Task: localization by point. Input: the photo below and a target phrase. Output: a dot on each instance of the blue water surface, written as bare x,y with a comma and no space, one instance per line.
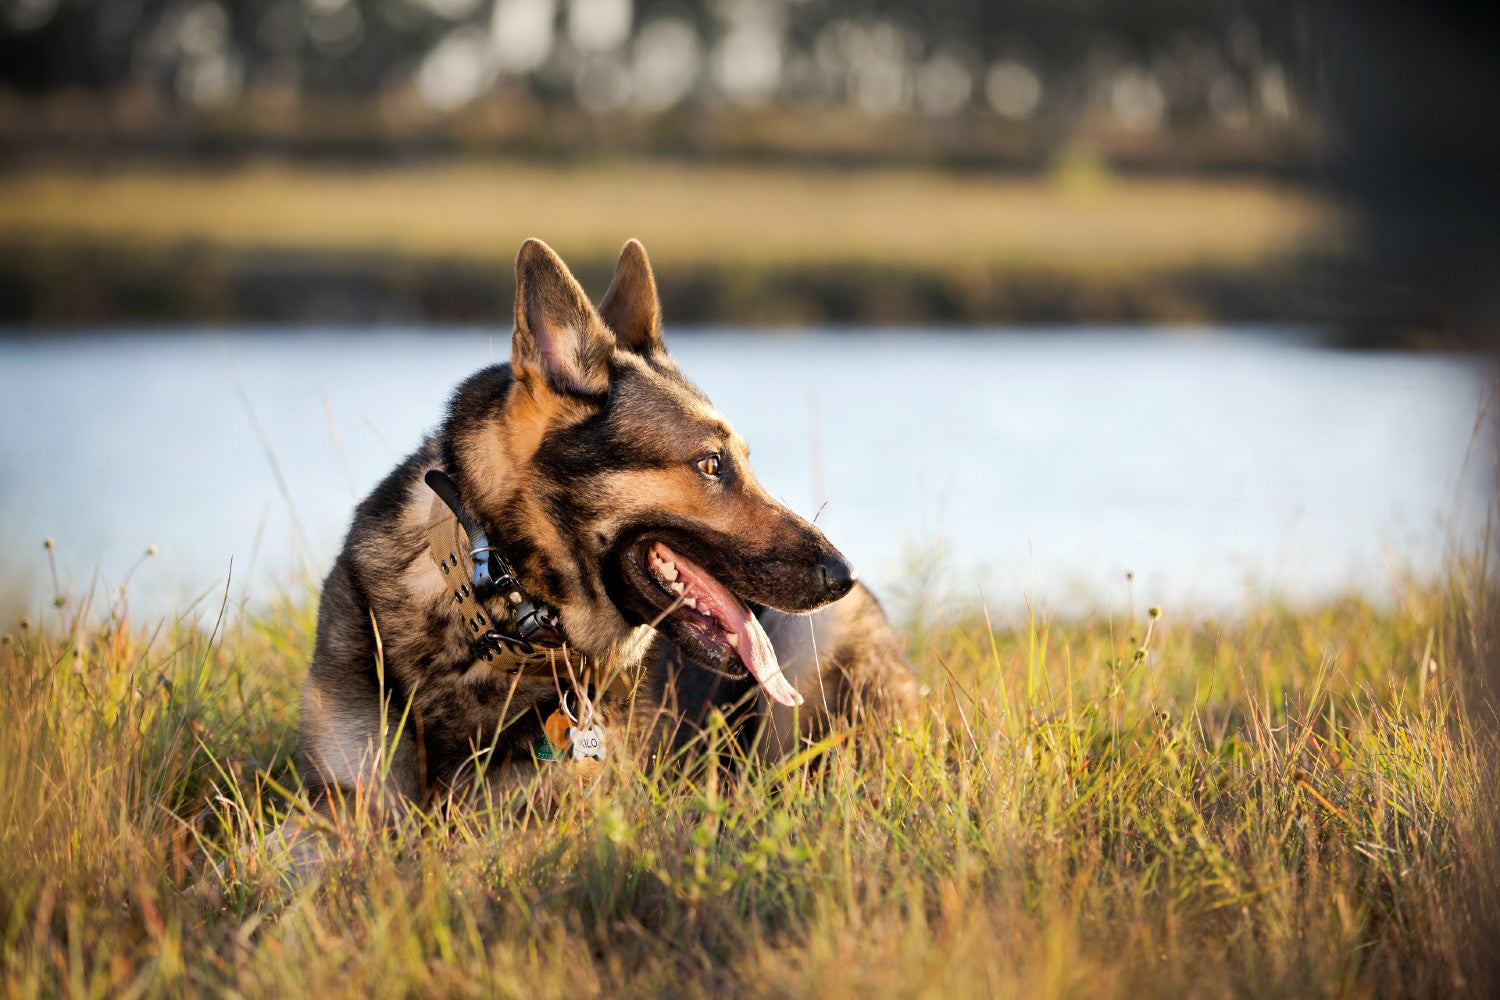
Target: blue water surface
1214,465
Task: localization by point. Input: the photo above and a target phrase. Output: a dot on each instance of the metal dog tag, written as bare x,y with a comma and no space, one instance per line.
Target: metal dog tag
586,742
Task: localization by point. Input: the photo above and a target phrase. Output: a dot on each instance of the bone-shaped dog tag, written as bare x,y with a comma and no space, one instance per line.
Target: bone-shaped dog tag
587,742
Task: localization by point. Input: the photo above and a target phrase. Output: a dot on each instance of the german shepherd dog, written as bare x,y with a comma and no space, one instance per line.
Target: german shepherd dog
579,552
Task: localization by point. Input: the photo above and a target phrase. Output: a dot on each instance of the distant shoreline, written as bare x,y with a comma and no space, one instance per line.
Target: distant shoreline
773,246
97,284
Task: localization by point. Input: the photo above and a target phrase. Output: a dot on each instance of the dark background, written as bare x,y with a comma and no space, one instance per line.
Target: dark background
1385,111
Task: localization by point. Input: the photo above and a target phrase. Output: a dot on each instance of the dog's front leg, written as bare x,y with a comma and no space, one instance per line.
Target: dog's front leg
848,665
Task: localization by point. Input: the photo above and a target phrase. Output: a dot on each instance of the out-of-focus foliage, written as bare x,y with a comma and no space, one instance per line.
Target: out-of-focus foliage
1143,66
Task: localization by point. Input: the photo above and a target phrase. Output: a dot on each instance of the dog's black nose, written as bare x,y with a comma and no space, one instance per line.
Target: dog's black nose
838,575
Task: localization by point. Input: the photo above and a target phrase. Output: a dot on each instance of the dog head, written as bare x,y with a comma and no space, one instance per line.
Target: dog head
623,497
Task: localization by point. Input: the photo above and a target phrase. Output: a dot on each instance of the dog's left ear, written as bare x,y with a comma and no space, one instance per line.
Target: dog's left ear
630,307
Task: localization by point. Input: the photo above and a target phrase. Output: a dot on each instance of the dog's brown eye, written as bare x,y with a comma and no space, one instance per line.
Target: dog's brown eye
709,465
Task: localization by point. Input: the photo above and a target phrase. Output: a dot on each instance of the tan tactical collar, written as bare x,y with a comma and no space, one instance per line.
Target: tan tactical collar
475,571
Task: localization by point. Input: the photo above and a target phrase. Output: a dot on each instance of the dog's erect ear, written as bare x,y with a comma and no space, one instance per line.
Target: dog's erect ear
560,342
630,307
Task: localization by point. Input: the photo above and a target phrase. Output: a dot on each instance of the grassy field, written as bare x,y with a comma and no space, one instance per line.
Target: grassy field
1293,803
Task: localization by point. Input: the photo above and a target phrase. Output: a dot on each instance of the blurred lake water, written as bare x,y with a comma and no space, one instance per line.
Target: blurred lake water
1213,464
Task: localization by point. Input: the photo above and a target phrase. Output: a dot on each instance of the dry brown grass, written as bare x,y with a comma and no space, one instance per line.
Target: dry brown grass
1288,804
686,215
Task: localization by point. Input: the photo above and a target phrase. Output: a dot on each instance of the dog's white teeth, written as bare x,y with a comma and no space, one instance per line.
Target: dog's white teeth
733,638
669,571
691,602
679,587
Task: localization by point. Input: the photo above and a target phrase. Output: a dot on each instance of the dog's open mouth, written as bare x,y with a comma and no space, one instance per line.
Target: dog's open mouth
705,614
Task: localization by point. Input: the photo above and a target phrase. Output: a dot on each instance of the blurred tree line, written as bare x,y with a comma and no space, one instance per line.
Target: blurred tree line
1389,105
1007,79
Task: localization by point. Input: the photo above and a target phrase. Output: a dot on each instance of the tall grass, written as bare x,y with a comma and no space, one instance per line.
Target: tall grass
1296,802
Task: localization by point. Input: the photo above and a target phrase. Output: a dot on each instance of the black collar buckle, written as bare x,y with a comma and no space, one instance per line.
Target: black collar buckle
534,622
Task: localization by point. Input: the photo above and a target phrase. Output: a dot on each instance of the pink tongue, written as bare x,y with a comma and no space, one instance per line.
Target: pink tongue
760,658
754,646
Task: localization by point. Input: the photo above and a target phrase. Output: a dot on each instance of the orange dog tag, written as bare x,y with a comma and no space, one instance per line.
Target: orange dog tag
556,727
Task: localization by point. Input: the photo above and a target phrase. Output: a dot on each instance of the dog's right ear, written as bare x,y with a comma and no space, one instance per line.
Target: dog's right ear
630,306
560,342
